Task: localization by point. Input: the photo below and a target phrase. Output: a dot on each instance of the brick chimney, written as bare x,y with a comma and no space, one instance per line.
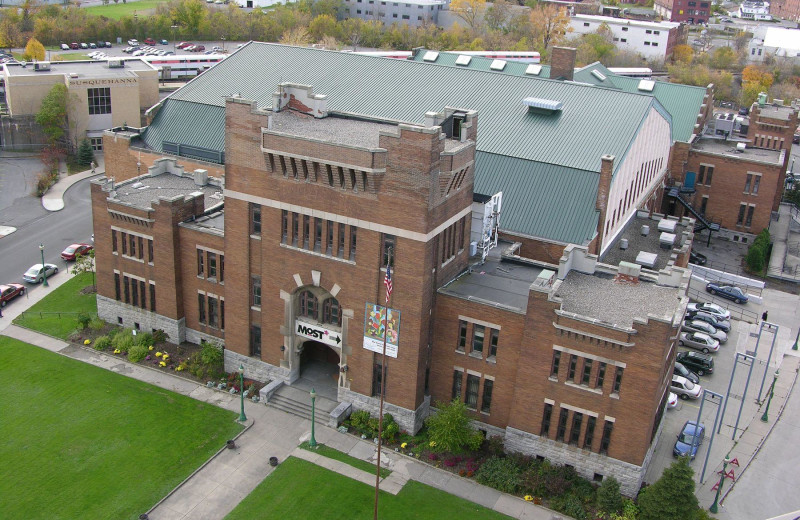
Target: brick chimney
562,63
601,203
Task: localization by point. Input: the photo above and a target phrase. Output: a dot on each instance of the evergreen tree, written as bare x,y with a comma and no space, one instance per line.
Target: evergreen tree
671,496
609,499
85,153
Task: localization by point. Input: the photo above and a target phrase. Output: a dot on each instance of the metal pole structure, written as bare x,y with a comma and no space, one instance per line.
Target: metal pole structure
730,383
313,442
725,463
769,358
796,339
44,269
174,48
713,433
695,440
765,417
242,416
747,383
387,281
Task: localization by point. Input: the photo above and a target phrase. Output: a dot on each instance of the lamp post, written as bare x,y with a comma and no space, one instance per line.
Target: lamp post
765,417
223,44
313,442
44,270
725,463
174,28
796,339
242,416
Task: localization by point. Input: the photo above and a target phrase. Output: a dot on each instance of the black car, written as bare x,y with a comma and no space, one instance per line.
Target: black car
680,370
100,44
700,363
697,258
717,323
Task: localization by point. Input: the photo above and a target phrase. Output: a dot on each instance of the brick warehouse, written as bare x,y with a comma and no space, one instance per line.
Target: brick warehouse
313,200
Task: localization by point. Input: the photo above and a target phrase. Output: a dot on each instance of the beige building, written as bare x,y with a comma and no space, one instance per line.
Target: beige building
102,94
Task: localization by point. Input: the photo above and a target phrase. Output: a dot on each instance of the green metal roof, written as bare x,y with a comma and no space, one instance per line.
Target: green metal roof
547,151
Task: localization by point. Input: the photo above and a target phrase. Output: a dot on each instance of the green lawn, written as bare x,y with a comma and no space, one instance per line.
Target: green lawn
77,441
298,489
335,454
117,11
66,299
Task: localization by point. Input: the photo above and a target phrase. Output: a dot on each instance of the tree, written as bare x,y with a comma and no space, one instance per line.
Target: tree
85,264
723,58
609,499
682,54
469,10
85,153
190,15
34,50
298,37
672,495
449,429
497,15
322,26
52,115
550,24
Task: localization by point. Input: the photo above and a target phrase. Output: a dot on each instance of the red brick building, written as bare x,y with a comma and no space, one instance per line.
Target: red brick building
687,11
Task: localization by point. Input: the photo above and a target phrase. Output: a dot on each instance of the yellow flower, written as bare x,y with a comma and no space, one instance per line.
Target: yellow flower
179,369
166,356
528,498
404,445
158,354
150,347
162,364
87,342
116,351
432,444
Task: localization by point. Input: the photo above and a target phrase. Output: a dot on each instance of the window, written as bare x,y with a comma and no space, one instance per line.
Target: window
573,362
379,376
462,335
656,32
222,314
99,101
655,44
201,308
562,424
353,243
255,341
606,440
486,402
308,305
704,205
152,297
575,430
295,228
212,265
555,363
126,289
648,31
388,245
548,413
141,248
601,375
477,338
623,40
134,293
587,371
331,312
709,174
740,218
132,245
213,312
586,24
97,143
221,268
306,224
749,219
472,391
589,437
494,336
618,379
458,376
340,250
625,29
255,219
756,182
284,225
143,299
255,291
150,252
200,262
114,240
747,182
317,234
116,286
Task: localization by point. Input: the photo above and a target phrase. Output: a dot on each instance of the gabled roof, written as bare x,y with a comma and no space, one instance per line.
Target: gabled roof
541,160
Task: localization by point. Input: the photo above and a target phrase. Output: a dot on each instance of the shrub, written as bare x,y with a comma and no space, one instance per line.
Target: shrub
758,252
83,319
137,353
102,343
500,473
123,340
96,323
372,427
210,354
159,336
359,419
495,446
390,431
609,499
450,430
144,338
569,505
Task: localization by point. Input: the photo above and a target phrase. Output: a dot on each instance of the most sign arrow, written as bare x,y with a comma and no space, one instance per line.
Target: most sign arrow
317,333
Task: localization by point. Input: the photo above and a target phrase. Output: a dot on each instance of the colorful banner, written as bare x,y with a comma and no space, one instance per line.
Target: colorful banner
377,318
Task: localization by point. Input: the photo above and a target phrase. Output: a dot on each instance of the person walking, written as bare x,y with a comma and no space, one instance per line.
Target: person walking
764,316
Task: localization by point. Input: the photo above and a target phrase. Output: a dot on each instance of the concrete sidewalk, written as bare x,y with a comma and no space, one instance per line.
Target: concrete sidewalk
218,486
53,200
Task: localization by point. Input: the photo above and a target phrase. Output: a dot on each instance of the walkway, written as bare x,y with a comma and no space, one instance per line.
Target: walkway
784,263
53,200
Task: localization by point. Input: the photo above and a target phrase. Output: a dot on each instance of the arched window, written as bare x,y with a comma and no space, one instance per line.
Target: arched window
308,305
331,312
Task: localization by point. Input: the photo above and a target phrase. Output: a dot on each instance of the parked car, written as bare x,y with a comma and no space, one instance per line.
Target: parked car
100,44
64,47
672,400
92,45
84,45
108,44
680,370
163,42
701,326
149,41
140,52
685,388
198,48
728,291
133,42
182,45
9,292
74,45
36,273
711,308
699,341
689,440
699,363
216,48
717,323
72,252
697,258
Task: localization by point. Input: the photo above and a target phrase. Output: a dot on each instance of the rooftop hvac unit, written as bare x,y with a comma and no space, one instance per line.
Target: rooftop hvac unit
41,65
741,147
623,244
645,230
116,64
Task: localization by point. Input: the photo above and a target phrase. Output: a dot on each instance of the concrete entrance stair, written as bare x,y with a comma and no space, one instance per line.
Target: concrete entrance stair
298,402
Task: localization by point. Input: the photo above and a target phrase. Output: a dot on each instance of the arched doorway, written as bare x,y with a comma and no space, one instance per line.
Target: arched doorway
319,369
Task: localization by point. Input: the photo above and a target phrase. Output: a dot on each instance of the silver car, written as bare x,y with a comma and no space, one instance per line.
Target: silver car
36,274
701,326
699,341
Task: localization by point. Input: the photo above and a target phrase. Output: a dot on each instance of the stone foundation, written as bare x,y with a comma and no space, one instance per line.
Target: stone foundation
111,311
196,337
408,420
255,368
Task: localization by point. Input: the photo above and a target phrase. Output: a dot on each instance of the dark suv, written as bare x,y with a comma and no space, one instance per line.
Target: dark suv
698,362
680,370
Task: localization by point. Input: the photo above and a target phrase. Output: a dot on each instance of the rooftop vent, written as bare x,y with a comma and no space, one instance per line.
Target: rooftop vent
41,65
543,104
116,64
533,69
463,60
599,75
647,85
73,74
430,56
741,147
498,65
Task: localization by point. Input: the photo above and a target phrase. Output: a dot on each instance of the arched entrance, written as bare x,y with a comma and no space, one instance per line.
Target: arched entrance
319,369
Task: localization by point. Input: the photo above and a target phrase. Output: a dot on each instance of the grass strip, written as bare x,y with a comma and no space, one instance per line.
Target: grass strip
332,453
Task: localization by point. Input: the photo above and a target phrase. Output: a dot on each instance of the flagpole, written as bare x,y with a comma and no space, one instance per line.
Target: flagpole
383,383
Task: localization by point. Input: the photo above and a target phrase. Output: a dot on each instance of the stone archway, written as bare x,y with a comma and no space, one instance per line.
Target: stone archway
319,369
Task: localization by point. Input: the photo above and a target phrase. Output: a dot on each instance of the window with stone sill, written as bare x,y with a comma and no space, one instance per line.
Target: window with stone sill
462,336
546,416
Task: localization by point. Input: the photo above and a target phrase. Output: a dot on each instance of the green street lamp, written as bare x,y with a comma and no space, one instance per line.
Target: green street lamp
796,339
765,417
242,416
725,462
44,270
313,442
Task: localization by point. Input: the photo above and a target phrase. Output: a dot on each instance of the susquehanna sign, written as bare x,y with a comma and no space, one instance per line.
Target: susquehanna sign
103,82
317,333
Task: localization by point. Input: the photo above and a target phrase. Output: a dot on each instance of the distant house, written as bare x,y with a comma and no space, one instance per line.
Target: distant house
778,42
650,39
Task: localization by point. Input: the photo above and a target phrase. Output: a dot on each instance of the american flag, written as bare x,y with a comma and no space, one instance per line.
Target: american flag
388,282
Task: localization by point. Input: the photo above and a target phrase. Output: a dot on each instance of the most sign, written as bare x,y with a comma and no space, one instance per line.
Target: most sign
317,333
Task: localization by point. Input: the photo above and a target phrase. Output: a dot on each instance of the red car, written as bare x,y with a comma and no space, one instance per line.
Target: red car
72,252
149,41
74,45
9,292
182,45
198,48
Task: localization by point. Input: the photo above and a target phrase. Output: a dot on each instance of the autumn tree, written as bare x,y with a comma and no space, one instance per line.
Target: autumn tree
682,54
498,15
470,11
322,26
298,37
52,115
34,50
722,58
754,81
550,24
190,15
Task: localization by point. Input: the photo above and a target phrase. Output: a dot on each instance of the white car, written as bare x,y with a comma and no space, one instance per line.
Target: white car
36,274
64,47
705,328
138,53
133,42
672,400
711,308
699,341
685,388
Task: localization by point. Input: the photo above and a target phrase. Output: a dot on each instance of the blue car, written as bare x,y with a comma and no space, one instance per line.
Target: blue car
728,291
690,433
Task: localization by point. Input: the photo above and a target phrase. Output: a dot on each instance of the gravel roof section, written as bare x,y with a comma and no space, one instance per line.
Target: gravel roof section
617,303
723,147
165,185
85,69
339,130
636,242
